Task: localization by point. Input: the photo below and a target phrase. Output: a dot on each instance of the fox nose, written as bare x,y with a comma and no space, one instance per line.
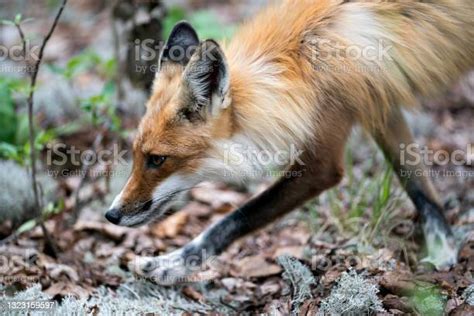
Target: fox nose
113,216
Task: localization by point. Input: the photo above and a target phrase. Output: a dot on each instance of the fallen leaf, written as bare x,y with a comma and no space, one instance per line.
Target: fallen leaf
63,289
269,288
56,270
293,251
255,266
309,308
222,201
197,209
192,293
171,226
463,310
391,301
112,231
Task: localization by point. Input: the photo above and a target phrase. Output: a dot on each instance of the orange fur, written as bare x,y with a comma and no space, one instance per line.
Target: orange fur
293,80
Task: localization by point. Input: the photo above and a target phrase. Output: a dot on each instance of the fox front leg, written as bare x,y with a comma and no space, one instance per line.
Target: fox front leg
303,183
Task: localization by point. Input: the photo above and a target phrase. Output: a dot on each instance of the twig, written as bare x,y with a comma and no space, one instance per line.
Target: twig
116,42
84,172
22,36
34,75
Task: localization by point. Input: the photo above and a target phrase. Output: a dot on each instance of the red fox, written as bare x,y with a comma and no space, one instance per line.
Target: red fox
291,83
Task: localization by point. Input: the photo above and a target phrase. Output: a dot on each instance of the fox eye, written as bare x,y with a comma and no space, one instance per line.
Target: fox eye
155,161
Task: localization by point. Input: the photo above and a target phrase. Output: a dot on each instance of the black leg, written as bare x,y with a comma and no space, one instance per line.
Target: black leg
437,233
285,195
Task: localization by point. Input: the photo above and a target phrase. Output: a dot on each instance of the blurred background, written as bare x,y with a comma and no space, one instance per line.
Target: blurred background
93,83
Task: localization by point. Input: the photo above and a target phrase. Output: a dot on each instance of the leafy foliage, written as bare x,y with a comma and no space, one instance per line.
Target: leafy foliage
9,119
100,107
86,61
14,143
428,300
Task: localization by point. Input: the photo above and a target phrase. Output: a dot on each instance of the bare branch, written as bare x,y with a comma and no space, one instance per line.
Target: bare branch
23,39
33,76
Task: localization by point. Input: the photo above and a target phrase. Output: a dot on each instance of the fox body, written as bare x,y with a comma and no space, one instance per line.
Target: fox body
292,83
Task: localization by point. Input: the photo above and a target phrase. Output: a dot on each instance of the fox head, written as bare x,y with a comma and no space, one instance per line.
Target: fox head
189,107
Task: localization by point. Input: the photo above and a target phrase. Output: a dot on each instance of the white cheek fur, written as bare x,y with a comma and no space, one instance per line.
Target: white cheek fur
173,186
239,160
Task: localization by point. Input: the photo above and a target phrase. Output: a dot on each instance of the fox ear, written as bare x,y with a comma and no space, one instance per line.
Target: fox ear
181,44
206,82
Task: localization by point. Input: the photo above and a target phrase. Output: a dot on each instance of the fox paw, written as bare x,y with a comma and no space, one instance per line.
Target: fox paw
173,268
165,270
442,251
441,262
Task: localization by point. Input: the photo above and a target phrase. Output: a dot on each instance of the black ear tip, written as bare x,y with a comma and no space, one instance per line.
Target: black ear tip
181,44
213,48
183,23
211,43
183,28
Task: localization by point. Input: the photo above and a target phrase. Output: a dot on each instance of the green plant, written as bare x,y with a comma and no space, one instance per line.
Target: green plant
384,192
14,143
86,61
21,152
362,204
427,299
100,107
9,119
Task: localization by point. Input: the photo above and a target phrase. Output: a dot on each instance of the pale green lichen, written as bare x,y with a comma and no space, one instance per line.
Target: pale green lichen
353,295
468,295
300,278
133,297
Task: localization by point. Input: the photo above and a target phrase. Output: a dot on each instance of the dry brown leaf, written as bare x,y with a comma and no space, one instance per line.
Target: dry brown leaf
171,226
451,304
197,209
332,275
112,231
192,293
463,310
397,283
56,270
270,288
63,289
309,308
221,201
294,251
391,301
255,266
